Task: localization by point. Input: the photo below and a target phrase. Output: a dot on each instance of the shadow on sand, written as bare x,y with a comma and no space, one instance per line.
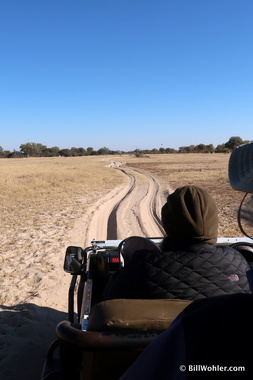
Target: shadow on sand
27,331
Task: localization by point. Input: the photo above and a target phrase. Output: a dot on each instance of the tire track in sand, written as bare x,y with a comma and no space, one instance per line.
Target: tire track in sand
137,213
112,219
131,209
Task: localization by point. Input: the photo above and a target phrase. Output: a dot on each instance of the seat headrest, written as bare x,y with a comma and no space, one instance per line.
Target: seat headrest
135,243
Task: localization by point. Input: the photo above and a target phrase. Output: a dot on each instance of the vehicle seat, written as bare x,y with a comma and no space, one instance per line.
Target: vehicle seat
135,314
118,331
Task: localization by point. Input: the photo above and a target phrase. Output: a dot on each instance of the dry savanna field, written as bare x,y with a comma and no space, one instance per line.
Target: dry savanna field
45,205
42,198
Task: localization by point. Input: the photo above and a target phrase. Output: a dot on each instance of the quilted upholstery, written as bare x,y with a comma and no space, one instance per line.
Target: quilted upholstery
204,271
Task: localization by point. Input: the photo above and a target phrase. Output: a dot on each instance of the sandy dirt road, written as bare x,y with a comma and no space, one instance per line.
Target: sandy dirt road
39,288
131,210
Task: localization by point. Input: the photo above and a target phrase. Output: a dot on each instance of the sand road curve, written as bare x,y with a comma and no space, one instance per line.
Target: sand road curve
132,209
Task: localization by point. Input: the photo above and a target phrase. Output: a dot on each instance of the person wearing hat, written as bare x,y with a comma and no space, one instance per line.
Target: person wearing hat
189,265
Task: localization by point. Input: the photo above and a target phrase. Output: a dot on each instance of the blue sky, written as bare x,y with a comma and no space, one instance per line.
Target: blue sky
125,74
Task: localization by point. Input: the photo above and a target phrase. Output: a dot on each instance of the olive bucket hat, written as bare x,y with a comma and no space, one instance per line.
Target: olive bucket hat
190,215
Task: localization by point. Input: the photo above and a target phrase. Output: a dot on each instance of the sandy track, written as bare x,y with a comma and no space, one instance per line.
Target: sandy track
130,210
138,213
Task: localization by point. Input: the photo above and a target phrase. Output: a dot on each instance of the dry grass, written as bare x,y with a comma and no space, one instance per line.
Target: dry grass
34,190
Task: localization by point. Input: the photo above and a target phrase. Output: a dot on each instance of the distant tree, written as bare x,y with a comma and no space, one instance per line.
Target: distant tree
154,151
201,148
74,152
221,149
4,153
33,149
138,153
82,152
13,154
210,148
114,152
189,149
90,151
55,151
118,152
26,149
103,151
65,153
170,150
51,152
233,142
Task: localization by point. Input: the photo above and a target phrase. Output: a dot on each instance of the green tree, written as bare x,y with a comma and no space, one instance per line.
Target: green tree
51,152
82,152
233,142
32,149
221,149
90,151
170,150
103,151
201,148
55,151
210,148
65,152
154,151
13,154
74,151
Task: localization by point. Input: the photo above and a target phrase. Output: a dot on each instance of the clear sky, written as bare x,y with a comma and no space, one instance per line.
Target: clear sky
125,74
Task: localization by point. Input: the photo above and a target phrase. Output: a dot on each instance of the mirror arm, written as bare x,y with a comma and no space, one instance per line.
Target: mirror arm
71,299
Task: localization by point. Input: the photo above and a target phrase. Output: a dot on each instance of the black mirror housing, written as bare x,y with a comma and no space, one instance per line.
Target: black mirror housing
74,260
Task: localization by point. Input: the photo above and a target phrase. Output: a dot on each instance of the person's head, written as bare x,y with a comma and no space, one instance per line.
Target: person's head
190,215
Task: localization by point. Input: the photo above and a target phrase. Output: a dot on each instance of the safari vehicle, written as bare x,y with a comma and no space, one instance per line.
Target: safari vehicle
100,340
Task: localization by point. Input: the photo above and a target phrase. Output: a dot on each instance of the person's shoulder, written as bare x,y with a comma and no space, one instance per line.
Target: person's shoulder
232,255
143,258
147,254
226,249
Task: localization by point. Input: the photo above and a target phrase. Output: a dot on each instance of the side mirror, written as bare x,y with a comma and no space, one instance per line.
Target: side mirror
73,262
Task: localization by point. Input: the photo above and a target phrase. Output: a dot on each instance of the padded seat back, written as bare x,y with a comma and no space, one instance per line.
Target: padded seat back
135,314
118,331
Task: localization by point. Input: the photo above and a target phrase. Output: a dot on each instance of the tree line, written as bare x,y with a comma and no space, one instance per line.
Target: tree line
32,149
